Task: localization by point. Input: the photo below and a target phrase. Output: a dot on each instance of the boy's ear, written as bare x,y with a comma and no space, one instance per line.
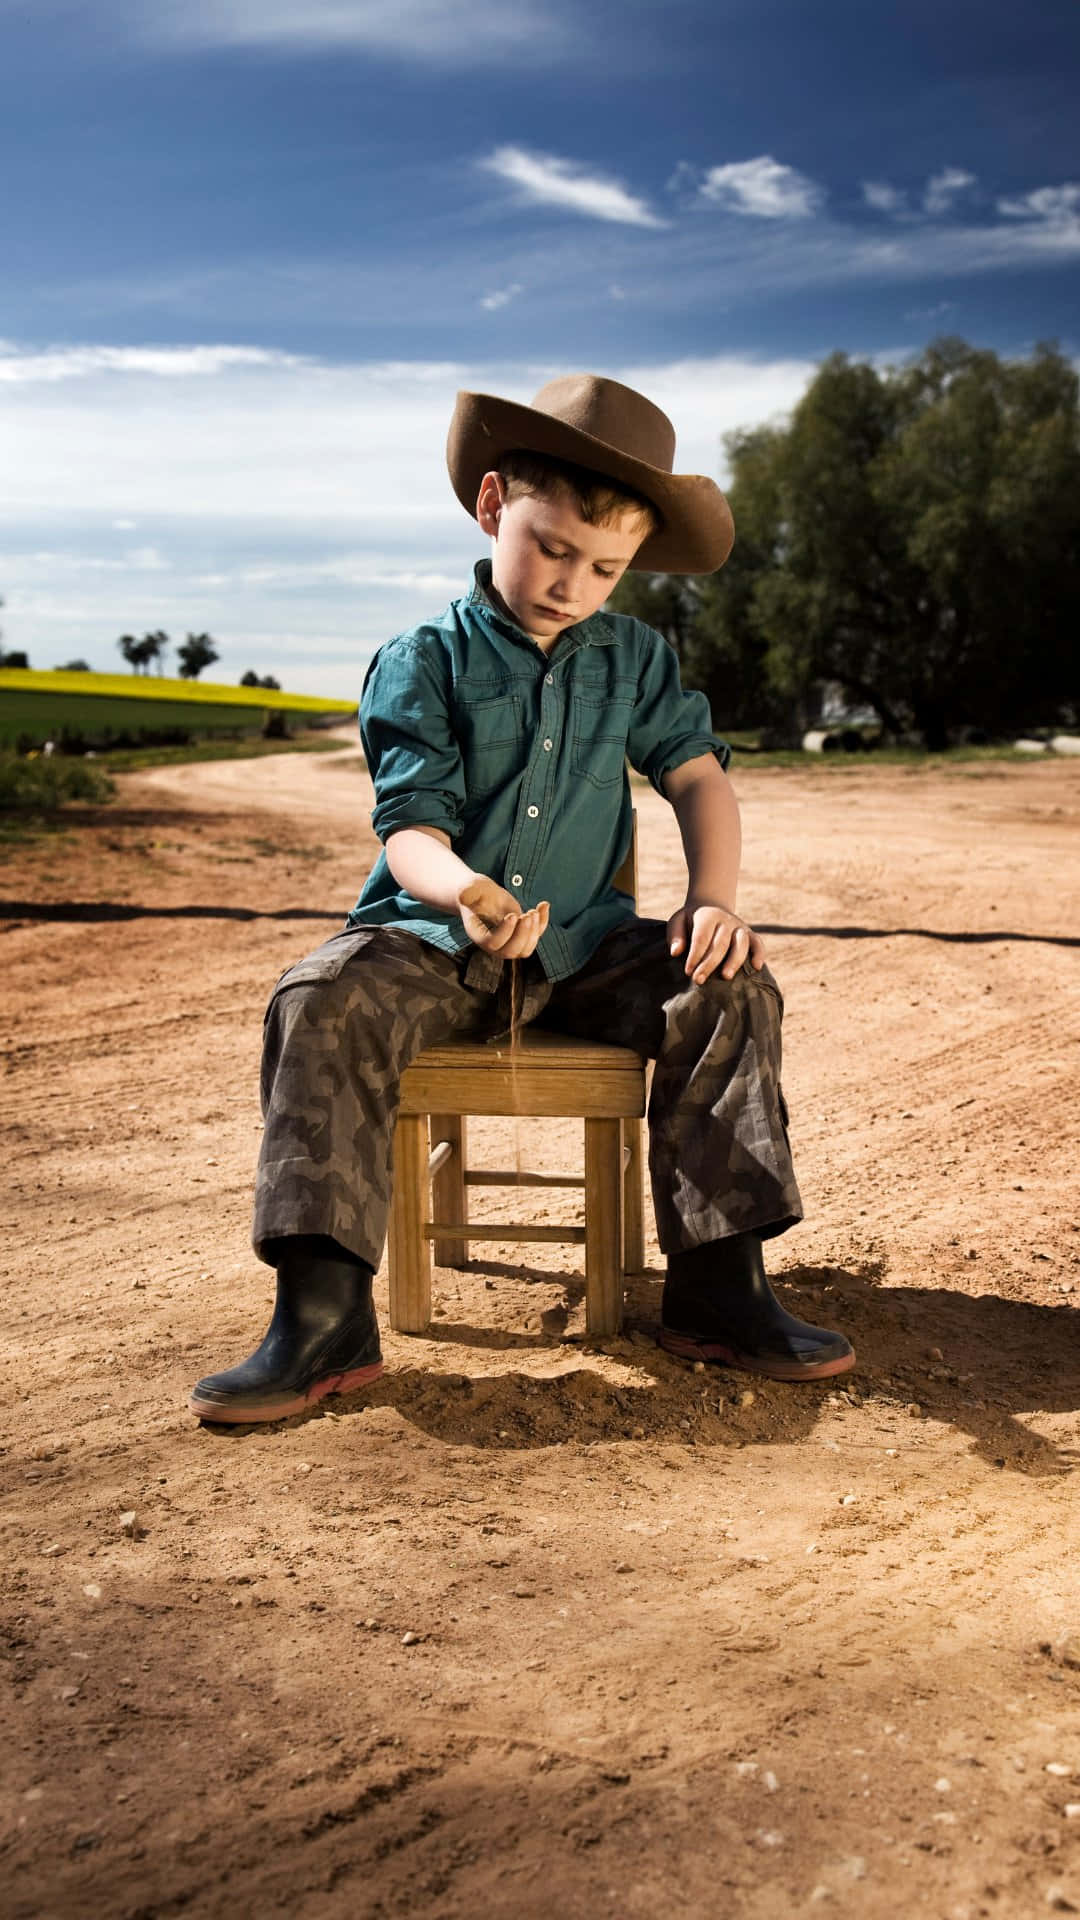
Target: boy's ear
490,502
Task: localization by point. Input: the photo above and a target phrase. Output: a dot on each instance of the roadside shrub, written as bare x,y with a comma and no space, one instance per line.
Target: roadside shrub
42,784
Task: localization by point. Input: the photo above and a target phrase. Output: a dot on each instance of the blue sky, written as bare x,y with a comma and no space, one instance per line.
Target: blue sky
252,247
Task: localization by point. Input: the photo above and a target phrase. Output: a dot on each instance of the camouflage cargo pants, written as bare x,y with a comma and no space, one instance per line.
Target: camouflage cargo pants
344,1023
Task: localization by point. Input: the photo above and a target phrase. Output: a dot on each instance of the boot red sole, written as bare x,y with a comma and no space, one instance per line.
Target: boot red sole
222,1414
687,1348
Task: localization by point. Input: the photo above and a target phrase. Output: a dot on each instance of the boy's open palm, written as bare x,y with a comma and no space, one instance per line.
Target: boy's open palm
493,920
711,937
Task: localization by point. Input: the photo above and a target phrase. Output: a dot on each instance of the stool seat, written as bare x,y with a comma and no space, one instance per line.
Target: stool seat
547,1074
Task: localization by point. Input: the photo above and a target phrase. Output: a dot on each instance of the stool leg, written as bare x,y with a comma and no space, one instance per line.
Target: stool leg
410,1253
633,1200
449,1195
603,1226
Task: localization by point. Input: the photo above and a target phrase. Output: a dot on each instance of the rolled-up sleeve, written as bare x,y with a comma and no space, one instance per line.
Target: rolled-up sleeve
412,754
670,723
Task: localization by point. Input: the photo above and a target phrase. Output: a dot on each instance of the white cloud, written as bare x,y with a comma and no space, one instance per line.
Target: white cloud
299,512
551,181
882,197
763,188
501,297
1058,206
428,30
18,367
942,188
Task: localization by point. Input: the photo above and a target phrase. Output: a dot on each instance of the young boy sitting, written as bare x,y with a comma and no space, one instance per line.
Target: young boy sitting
497,737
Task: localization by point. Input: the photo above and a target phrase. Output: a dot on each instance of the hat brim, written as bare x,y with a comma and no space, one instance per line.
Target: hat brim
697,532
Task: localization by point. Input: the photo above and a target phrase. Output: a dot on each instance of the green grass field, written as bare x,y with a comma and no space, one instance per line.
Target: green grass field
97,709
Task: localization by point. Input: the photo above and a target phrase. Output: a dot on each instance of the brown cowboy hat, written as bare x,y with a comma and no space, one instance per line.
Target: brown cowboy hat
611,430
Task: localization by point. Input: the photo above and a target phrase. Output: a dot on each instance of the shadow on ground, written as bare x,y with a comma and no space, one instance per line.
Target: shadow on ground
975,1363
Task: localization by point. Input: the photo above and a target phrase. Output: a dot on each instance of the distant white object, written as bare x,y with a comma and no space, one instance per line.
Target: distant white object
1029,746
814,741
49,747
1066,743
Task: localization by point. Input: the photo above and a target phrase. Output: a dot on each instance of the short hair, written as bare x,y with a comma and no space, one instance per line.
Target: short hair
598,499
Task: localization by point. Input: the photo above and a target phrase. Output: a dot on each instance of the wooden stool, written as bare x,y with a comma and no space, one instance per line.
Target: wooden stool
552,1074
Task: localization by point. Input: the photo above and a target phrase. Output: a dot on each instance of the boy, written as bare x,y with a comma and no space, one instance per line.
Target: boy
497,738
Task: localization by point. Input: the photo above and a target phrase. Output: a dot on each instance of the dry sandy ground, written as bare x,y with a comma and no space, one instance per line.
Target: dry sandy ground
532,1627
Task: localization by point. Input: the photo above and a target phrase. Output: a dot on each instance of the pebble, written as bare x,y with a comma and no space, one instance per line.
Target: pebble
768,1837
1071,1810
819,1894
1066,1650
50,1552
1059,1770
943,1785
524,1593
410,1639
747,1399
698,1366
1057,1898
934,1353
69,1694
624,1567
745,1769
770,1783
847,1500
914,1409
92,1590
128,1524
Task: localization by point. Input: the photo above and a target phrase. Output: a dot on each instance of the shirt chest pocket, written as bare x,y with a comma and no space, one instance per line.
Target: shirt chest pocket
600,726
490,729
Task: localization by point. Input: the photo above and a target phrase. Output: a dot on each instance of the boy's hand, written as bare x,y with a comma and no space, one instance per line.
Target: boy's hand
493,919
713,937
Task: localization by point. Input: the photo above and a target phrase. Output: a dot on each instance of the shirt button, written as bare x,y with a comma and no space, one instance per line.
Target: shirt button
515,879
547,746
550,678
534,813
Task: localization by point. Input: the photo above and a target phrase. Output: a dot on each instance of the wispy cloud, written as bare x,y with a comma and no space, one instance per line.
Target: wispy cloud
549,180
426,30
883,197
19,367
1057,206
764,189
943,188
502,296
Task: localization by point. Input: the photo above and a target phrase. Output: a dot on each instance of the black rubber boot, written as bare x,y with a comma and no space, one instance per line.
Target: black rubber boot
323,1338
718,1305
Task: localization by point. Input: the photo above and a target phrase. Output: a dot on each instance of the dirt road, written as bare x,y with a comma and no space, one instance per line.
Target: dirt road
531,1626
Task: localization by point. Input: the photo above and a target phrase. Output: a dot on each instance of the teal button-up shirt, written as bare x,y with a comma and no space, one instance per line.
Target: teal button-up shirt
520,757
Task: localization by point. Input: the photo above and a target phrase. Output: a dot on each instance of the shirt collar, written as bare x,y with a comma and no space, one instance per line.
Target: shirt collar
597,631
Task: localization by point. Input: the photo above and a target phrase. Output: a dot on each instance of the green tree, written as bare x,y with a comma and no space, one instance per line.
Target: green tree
251,679
195,653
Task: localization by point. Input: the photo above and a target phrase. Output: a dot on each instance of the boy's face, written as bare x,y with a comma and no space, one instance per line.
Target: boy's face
549,567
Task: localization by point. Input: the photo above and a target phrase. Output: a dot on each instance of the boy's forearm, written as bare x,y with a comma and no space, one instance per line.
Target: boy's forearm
424,863
708,816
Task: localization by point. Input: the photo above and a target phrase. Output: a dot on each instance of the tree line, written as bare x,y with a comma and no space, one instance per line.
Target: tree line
908,543
193,654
